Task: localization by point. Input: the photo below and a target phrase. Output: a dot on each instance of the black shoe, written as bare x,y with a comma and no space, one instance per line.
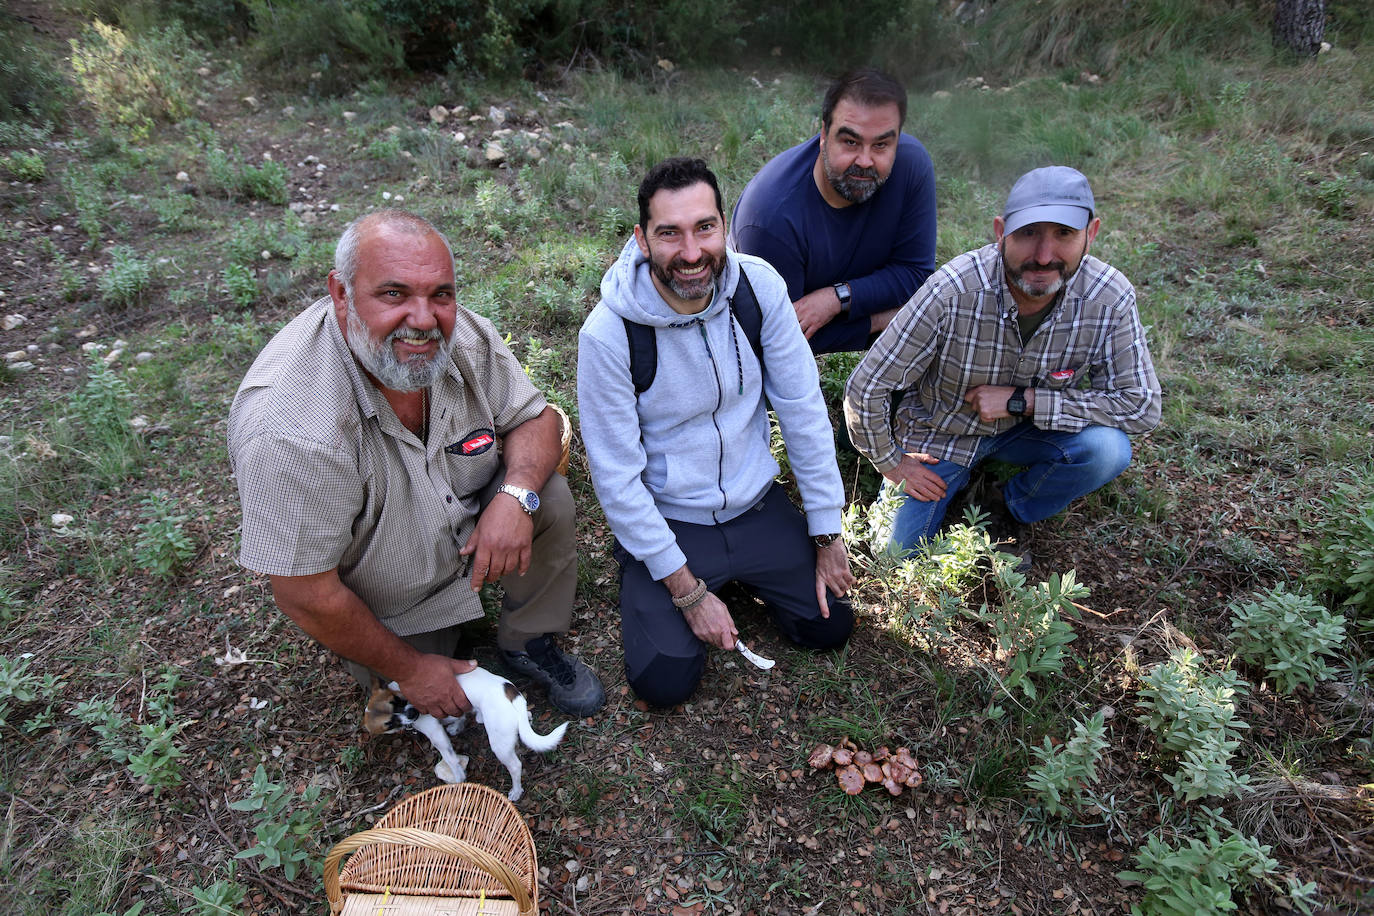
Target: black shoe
572,686
1011,534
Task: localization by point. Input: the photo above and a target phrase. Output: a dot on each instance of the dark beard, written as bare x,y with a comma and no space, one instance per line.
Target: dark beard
689,293
847,185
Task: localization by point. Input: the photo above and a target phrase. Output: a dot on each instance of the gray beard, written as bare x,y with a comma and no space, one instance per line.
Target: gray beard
379,359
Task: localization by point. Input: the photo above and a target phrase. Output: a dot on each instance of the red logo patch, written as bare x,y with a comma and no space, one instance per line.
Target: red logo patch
476,444
1060,375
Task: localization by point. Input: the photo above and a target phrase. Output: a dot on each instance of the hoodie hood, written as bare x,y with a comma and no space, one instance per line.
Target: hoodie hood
628,290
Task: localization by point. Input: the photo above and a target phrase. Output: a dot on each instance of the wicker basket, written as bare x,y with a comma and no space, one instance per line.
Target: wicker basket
565,435
455,850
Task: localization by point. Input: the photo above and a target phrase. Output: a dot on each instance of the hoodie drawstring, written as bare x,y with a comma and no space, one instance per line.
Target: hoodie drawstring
739,364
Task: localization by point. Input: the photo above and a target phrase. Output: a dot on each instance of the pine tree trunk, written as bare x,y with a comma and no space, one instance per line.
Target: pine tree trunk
1300,25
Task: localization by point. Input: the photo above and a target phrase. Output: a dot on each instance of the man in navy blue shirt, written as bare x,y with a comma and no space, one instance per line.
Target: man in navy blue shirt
848,217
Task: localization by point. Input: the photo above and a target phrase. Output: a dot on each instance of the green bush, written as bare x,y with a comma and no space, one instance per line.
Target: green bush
163,546
332,45
132,81
1065,772
1192,712
31,85
227,175
25,166
126,279
1287,634
241,285
1341,562
1200,876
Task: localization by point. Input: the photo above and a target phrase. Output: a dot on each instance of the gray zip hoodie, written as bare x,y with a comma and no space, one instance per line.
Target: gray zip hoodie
695,446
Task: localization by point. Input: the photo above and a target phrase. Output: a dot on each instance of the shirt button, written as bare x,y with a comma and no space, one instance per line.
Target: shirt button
448,498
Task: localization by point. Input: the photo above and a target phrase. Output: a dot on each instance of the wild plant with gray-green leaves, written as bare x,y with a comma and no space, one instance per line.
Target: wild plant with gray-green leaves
1193,713
1061,779
1287,633
286,822
1341,562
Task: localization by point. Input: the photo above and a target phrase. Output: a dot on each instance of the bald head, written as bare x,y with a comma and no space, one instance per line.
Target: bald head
365,227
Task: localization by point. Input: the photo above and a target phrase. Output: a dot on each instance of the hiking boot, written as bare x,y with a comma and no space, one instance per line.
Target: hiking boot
1011,535
571,685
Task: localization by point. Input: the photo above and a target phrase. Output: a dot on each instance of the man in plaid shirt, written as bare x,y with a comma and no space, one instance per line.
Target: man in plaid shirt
1028,350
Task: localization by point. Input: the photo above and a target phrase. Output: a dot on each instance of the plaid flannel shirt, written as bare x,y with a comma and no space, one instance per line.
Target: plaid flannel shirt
1088,362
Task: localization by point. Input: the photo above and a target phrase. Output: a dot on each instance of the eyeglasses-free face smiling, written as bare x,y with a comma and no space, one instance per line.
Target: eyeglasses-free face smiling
685,245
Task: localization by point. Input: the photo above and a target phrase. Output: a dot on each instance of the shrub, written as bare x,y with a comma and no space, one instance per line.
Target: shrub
334,44
1192,712
241,285
132,81
1287,634
232,178
126,279
286,822
31,85
25,166
1064,772
163,546
1341,562
1199,876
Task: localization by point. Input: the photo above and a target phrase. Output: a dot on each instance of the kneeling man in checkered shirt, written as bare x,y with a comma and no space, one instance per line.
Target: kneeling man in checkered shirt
364,439
1028,350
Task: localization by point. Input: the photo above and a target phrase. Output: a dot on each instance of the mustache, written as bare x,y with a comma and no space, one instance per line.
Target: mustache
1032,265
414,333
679,263
855,171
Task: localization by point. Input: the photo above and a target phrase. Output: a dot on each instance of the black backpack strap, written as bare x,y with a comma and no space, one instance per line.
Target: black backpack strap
745,306
643,342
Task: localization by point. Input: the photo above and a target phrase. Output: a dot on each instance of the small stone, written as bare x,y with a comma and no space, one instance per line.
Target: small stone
265,255
15,355
349,115
666,65
11,322
289,111
497,114
143,357
22,366
459,137
139,422
112,357
438,114
58,229
61,519
250,101
494,153
183,177
573,866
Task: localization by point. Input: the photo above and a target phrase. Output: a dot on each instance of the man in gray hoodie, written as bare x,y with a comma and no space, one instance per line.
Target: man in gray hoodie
672,371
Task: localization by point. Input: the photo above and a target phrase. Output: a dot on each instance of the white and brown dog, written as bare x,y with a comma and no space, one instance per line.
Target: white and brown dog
496,704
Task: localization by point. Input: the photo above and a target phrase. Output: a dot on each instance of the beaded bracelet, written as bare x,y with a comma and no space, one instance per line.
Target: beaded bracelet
692,598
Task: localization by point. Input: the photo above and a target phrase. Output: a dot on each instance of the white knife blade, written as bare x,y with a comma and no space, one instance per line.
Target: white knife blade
758,661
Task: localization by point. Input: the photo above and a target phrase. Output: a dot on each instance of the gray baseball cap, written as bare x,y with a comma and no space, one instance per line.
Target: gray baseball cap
1053,194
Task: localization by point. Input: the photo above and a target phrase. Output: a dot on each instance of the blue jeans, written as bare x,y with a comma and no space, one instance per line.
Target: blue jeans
1060,467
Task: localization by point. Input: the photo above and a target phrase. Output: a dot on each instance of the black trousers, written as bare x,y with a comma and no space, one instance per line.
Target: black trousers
768,551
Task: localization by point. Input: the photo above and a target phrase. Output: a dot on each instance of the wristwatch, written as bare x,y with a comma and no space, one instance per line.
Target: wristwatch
1016,404
842,291
824,540
529,500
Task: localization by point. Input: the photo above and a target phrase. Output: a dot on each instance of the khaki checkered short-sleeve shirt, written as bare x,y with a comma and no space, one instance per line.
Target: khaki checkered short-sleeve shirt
330,478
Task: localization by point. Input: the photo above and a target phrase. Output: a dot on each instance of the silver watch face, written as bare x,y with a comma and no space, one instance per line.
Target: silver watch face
530,501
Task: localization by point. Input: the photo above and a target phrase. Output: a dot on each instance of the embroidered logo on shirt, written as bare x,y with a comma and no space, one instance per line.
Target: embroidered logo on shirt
475,443
1060,375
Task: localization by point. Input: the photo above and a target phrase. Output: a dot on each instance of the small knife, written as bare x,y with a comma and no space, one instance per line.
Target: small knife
758,661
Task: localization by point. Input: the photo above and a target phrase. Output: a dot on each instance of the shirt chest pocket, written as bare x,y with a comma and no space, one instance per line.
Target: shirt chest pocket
471,462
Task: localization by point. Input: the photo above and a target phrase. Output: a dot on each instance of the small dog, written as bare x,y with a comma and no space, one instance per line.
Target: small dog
496,704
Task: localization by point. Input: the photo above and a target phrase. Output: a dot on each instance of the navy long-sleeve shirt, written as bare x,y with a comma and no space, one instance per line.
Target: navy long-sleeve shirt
883,248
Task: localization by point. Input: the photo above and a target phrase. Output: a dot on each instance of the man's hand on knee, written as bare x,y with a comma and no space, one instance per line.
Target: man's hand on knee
431,686
501,542
918,480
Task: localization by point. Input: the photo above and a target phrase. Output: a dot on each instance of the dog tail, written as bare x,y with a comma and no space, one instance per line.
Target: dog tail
531,738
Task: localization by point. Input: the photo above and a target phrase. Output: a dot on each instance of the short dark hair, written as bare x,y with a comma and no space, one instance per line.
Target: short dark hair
866,86
673,175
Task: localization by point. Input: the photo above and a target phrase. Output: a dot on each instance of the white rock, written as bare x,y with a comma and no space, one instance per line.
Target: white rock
265,255
143,357
459,137
22,366
267,155
573,866
183,177
112,357
139,422
34,349
289,111
15,355
120,343
438,114
495,153
334,208
92,346
393,130
13,321
582,883
62,519
386,195
349,115
59,229
250,101
497,114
